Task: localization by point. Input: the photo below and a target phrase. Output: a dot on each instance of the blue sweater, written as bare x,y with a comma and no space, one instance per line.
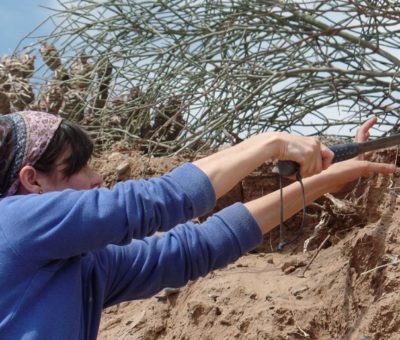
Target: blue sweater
64,256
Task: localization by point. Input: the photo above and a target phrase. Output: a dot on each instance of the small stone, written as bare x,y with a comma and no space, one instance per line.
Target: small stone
297,291
293,264
218,311
289,270
225,323
166,293
253,296
122,169
171,291
212,296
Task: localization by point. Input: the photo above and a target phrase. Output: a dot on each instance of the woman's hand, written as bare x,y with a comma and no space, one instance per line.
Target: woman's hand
308,152
342,173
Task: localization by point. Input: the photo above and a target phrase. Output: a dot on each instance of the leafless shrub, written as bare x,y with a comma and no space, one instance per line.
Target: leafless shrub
237,67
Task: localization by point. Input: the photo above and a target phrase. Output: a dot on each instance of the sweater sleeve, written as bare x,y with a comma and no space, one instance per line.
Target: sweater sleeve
144,267
64,224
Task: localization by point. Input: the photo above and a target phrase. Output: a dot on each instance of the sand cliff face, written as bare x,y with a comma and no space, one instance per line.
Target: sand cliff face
350,290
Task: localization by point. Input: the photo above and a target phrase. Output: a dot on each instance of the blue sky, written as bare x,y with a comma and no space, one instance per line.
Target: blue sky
20,17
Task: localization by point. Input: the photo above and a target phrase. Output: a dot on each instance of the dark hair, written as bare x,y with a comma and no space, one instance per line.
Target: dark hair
67,136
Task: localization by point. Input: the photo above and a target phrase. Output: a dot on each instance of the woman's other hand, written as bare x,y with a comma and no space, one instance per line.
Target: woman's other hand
342,173
308,152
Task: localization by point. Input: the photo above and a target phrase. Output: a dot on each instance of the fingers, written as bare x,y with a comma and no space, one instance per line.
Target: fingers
327,156
317,157
382,168
348,171
308,152
313,163
307,148
318,163
362,133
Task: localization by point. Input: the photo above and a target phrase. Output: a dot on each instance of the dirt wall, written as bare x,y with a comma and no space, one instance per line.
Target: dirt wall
350,291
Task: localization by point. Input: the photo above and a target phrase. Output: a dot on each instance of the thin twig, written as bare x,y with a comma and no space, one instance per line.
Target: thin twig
380,267
315,255
303,332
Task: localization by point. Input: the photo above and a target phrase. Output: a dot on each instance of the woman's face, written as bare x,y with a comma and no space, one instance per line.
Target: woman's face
86,178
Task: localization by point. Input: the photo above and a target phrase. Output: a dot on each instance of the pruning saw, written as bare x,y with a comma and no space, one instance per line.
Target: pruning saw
343,152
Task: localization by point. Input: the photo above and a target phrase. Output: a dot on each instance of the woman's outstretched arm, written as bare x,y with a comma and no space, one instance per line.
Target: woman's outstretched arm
229,166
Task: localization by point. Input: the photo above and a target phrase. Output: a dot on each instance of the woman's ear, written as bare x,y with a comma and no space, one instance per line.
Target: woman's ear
28,177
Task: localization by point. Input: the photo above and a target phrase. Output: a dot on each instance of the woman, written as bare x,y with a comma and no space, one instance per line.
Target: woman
69,248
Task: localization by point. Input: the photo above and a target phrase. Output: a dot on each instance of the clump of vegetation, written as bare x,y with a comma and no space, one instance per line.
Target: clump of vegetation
177,75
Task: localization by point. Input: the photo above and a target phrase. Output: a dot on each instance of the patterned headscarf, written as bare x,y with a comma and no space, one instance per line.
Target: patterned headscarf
24,136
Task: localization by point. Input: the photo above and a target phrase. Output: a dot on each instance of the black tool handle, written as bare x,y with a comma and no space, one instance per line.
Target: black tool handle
341,151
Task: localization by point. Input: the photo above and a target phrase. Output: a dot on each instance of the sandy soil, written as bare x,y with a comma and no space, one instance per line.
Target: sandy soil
342,295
